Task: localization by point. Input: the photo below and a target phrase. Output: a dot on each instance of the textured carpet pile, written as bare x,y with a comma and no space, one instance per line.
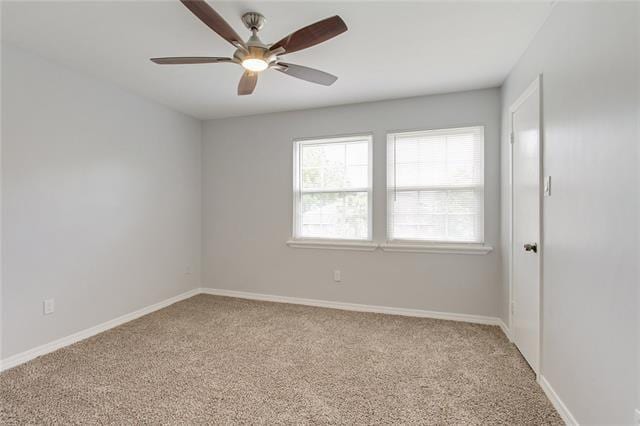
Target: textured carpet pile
214,359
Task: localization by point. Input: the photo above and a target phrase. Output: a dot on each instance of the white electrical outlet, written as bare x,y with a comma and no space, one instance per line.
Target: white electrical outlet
337,276
49,306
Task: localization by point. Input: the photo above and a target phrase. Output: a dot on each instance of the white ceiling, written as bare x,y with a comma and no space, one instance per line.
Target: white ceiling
392,49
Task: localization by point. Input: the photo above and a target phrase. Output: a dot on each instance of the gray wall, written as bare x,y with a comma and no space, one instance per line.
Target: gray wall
588,54
101,201
248,210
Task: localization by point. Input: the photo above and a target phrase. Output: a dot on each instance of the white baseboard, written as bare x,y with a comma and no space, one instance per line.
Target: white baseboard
477,319
30,354
505,329
560,407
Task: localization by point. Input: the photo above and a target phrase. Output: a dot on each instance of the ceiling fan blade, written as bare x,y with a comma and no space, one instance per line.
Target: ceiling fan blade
213,20
312,35
189,60
306,73
247,83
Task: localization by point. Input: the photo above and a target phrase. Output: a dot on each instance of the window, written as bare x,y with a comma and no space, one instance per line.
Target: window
435,185
332,188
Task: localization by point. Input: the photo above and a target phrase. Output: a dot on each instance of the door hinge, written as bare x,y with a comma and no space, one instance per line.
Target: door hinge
513,307
511,138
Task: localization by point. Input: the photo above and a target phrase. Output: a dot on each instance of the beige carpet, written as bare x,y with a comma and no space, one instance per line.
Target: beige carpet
213,359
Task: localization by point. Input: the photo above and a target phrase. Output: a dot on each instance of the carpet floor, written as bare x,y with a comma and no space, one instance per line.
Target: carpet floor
222,360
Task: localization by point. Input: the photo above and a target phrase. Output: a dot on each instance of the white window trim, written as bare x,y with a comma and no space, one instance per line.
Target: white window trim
405,246
313,243
436,246
332,243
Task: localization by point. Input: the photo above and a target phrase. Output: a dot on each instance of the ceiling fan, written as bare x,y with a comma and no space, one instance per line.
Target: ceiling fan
254,55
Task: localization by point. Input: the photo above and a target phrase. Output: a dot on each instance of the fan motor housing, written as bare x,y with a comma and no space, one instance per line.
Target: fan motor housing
255,52
256,49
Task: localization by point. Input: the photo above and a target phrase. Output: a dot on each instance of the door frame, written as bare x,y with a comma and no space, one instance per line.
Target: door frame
536,84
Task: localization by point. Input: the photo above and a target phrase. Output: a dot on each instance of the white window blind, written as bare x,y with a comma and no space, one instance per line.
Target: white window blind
332,188
435,185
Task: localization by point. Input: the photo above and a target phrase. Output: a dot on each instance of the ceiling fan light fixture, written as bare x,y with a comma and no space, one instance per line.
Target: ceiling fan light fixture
255,64
254,55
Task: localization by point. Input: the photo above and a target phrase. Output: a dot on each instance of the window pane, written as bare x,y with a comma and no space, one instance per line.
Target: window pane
435,215
341,215
461,227
357,154
435,184
440,160
463,160
335,166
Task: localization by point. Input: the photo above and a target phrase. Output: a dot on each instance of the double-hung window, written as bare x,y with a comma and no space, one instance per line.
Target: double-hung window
435,186
332,188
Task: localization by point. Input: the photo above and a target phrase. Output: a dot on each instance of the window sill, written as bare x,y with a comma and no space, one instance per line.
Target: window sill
333,245
437,248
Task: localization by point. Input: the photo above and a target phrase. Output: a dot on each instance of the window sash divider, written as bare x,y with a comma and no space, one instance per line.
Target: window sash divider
332,191
476,187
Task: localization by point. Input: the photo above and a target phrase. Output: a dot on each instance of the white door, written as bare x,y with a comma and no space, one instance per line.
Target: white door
525,308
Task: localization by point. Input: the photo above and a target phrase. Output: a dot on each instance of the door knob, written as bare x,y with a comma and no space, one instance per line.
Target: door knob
531,247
